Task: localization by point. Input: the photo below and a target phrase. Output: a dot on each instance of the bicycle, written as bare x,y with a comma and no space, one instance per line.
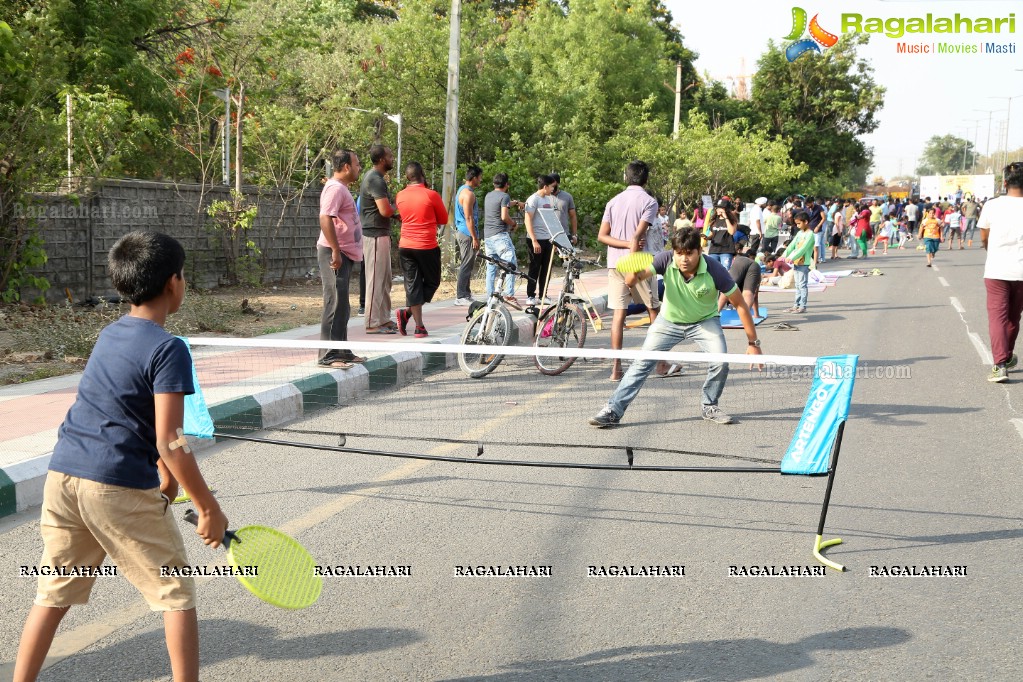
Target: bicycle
563,324
490,324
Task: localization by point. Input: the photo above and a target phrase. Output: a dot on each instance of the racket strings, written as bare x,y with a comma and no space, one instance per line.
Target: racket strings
285,573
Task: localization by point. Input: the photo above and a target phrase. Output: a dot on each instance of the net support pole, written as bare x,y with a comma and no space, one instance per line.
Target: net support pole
820,544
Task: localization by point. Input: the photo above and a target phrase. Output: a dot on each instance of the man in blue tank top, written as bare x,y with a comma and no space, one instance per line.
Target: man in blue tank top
467,232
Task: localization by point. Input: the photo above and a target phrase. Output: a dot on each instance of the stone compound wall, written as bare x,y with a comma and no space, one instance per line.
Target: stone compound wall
78,235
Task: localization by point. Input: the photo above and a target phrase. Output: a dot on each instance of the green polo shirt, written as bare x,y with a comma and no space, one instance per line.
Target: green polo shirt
696,300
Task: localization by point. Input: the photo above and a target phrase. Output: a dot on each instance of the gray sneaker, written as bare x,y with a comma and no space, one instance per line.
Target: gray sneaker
998,374
1013,361
604,418
714,414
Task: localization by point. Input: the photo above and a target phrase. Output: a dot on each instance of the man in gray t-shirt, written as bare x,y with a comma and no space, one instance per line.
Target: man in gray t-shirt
376,209
564,204
494,206
497,228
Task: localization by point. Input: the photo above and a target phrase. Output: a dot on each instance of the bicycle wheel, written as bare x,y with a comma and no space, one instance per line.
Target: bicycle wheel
499,321
567,330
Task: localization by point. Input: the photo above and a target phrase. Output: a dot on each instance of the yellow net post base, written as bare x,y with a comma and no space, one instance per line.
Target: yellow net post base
819,545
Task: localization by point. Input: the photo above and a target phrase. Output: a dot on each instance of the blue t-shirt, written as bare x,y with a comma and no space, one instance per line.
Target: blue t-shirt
109,434
460,213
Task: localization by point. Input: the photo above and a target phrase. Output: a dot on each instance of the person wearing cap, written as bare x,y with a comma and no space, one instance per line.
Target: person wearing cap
720,230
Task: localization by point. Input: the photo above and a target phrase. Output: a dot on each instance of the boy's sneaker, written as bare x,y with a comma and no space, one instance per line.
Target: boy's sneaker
421,332
604,418
1013,361
998,374
713,413
362,310
463,301
403,315
531,300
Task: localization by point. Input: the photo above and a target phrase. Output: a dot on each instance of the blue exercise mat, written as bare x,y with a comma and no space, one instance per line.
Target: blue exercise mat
730,318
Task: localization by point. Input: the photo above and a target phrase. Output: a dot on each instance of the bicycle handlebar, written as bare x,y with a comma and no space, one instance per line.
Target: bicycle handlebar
504,265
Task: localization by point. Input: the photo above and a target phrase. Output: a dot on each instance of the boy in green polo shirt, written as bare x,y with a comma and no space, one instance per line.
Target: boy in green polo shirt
800,253
689,311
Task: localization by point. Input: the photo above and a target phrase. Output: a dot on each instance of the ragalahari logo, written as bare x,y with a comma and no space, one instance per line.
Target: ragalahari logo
818,36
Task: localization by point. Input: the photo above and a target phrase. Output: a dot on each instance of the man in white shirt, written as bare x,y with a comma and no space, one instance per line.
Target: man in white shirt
756,223
1001,232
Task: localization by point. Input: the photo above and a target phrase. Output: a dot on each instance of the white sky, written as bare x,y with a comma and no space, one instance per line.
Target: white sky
927,94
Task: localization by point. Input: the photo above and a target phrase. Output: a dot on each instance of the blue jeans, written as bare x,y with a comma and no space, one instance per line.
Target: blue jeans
971,225
500,246
723,258
821,242
802,276
663,336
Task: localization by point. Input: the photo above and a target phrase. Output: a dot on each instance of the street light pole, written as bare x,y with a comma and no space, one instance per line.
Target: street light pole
1008,121
976,130
225,95
397,120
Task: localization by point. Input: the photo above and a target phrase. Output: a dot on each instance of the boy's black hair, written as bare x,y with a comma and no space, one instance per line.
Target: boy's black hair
500,180
140,263
686,239
1013,174
472,172
542,181
801,215
637,173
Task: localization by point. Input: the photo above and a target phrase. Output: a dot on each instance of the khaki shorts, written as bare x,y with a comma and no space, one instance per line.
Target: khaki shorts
620,296
84,521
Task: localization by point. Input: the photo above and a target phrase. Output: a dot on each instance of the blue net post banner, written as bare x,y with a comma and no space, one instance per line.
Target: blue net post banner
198,421
826,408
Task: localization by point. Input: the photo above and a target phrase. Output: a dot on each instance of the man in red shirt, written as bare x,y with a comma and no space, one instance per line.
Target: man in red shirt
422,212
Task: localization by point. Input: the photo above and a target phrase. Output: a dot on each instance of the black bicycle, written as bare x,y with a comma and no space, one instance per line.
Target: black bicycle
490,324
563,325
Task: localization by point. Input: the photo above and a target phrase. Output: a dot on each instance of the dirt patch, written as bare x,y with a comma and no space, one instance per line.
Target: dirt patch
38,342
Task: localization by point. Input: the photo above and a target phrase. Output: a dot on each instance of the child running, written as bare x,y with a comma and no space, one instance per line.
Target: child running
930,232
117,463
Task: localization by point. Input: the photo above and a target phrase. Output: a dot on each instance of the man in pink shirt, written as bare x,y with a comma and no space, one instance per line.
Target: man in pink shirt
337,250
623,228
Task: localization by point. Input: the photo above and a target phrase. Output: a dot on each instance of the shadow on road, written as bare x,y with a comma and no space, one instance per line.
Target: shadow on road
728,659
223,640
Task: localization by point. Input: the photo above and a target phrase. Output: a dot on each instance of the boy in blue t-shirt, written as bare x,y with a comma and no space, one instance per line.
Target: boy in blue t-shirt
117,463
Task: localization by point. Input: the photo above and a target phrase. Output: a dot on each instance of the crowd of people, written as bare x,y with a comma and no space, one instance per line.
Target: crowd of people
777,241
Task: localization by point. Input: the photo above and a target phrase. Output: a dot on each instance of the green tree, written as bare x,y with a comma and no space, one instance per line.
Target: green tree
946,154
821,104
31,61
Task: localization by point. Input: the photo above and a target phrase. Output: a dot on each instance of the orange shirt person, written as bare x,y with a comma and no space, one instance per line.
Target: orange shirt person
422,212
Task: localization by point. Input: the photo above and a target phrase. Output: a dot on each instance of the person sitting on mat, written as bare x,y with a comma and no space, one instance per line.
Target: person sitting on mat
775,268
119,456
689,311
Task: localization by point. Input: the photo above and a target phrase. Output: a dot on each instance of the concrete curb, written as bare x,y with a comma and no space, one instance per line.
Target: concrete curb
21,484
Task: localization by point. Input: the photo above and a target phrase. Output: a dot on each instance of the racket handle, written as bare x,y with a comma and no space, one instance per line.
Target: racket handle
193,519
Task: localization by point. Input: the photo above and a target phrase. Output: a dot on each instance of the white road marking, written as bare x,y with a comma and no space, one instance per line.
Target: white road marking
982,351
957,305
936,268
1018,423
943,281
